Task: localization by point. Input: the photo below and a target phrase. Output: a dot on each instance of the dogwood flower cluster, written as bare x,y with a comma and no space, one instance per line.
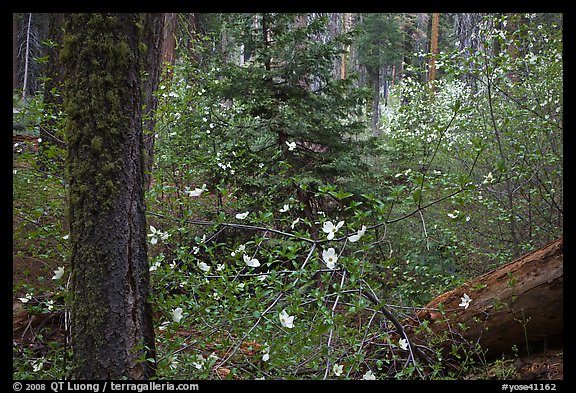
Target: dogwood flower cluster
37,364
201,360
227,167
296,221
157,234
489,178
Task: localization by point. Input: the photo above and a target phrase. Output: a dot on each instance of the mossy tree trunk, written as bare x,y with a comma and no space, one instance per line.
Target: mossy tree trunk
112,329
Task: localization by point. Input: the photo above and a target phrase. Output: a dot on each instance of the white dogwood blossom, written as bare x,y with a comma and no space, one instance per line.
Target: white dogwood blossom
286,320
356,237
242,216
337,369
157,234
331,229
204,267
196,192
176,314
329,256
465,301
58,273
403,344
252,262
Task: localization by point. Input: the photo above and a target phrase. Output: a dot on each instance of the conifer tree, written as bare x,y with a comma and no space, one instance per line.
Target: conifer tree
291,106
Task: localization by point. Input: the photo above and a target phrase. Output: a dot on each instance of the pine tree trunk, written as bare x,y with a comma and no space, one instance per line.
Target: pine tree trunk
169,40
153,36
374,74
14,52
433,46
26,58
112,328
519,304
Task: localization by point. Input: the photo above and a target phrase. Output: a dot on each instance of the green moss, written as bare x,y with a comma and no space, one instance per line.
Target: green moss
113,98
68,41
97,144
108,168
125,53
96,103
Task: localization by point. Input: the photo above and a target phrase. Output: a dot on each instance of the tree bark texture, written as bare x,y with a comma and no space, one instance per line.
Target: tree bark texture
14,51
517,304
169,40
112,330
375,77
434,46
153,36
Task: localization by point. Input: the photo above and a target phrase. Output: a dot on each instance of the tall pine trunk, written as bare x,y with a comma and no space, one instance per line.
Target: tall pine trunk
14,51
433,46
374,75
26,57
153,36
112,330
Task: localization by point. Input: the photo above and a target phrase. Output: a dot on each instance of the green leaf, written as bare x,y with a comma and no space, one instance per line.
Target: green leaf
324,328
417,196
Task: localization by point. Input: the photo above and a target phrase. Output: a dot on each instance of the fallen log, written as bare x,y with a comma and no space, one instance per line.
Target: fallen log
518,304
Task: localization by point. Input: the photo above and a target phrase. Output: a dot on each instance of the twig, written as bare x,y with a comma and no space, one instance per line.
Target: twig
332,328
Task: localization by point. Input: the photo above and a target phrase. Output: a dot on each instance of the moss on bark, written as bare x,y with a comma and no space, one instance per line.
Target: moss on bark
111,323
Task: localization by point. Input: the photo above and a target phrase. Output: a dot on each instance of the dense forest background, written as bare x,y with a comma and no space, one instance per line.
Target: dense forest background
299,166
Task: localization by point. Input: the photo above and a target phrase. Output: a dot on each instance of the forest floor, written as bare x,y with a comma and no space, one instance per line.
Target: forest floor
36,331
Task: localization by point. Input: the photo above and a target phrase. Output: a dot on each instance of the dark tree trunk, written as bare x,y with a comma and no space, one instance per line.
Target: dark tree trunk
112,327
194,28
14,51
374,74
153,37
